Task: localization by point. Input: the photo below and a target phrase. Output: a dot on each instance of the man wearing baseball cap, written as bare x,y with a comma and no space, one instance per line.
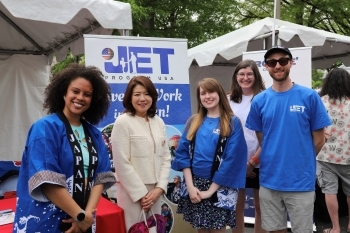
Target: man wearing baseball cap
289,121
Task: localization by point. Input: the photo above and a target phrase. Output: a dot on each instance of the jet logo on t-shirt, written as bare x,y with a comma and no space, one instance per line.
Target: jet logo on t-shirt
216,131
297,108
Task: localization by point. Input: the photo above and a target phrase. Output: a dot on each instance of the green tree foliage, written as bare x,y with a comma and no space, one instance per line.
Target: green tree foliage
63,64
200,21
328,15
197,21
318,75
317,78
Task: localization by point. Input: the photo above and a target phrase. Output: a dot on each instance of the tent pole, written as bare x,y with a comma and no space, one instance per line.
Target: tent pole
265,41
126,32
278,9
276,15
274,21
20,31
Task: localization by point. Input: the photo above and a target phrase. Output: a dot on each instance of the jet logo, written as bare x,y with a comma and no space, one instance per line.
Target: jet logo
130,60
297,108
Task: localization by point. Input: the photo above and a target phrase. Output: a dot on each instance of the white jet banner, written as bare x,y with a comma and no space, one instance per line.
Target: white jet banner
300,72
162,60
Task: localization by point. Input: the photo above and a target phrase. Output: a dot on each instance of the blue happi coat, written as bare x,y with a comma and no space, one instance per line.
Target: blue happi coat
48,158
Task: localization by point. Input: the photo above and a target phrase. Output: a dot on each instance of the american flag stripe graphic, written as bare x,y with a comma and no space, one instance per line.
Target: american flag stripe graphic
107,53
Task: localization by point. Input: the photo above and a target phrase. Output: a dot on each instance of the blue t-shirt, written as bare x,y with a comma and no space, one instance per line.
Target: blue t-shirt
206,135
80,136
287,120
232,170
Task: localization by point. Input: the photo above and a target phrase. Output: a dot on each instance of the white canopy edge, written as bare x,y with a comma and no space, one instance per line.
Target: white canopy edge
110,14
233,44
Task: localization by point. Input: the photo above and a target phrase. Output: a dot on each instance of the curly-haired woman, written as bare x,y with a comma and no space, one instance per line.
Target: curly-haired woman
65,165
333,161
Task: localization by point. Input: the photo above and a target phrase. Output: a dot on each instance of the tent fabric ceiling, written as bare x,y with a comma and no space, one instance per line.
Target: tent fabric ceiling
327,47
50,27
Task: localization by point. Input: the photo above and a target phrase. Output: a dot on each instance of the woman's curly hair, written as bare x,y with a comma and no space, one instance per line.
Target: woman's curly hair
57,88
336,84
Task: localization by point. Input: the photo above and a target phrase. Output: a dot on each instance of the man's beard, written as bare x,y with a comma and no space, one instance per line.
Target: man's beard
280,79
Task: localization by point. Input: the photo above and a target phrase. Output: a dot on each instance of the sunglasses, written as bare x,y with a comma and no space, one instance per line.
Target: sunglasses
272,63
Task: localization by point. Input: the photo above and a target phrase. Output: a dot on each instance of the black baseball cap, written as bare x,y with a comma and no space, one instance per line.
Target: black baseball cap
277,48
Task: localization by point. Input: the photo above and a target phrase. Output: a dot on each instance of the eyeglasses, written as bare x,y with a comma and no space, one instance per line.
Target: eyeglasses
242,75
272,63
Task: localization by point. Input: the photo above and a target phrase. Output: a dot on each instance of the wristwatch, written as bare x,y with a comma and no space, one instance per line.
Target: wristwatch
81,216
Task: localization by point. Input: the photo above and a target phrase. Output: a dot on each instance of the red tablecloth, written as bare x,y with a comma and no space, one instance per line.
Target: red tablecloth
5,204
109,217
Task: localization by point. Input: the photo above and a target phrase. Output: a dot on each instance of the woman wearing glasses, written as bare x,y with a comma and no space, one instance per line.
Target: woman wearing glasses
246,83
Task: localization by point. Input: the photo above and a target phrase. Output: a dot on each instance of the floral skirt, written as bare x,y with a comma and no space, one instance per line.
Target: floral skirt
204,215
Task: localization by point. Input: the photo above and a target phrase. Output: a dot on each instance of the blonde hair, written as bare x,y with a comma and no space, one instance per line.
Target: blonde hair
226,113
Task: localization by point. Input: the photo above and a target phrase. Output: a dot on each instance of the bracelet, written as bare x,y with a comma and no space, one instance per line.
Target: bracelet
256,160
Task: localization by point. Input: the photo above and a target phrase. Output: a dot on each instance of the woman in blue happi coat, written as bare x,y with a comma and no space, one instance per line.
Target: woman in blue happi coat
215,118
65,165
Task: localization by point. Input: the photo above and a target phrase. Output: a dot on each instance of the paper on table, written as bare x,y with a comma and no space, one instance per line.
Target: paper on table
6,218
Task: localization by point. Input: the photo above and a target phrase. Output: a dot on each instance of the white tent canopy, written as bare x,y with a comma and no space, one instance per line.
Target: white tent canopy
342,66
327,47
31,33
50,27
345,68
